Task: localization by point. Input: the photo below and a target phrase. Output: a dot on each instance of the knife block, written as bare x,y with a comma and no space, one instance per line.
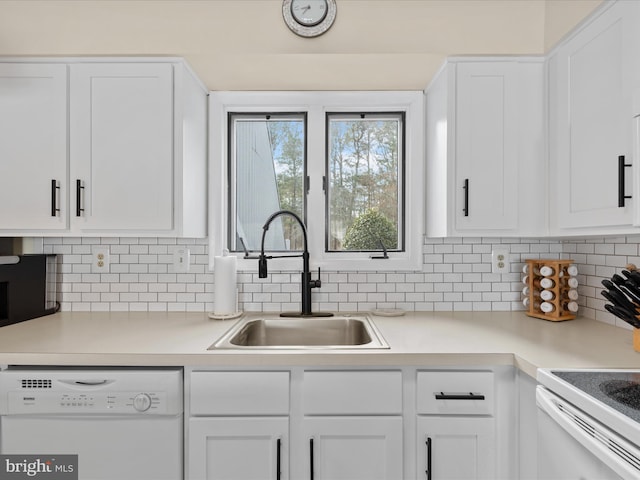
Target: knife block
636,339
560,288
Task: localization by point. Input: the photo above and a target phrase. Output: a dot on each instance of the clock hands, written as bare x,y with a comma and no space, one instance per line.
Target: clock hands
304,9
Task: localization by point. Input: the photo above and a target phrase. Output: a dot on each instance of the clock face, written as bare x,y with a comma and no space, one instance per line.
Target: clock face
308,12
309,18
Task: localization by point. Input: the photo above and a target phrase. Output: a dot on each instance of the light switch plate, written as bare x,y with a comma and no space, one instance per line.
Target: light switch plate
181,260
500,260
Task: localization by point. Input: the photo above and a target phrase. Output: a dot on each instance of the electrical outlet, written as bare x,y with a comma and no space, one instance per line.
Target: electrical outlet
99,259
181,259
500,260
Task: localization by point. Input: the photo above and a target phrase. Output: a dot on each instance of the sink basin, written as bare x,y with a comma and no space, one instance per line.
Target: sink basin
266,332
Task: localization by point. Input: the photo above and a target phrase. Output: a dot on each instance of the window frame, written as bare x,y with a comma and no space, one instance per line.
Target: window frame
317,105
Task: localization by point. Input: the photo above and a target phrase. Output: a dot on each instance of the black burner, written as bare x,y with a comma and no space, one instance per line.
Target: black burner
623,391
619,389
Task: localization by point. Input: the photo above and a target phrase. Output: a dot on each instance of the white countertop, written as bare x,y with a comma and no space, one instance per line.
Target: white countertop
416,339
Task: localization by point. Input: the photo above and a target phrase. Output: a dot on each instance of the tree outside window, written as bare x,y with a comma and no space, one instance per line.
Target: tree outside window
365,181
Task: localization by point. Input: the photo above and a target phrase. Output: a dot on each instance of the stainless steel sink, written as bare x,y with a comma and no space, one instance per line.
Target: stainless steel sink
272,332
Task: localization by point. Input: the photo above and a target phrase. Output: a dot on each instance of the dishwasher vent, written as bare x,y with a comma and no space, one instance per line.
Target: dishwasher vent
34,383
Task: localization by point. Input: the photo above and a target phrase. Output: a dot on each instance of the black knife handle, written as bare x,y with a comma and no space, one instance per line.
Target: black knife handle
622,315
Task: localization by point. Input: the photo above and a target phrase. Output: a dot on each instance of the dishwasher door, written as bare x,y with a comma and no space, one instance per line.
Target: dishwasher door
122,423
109,447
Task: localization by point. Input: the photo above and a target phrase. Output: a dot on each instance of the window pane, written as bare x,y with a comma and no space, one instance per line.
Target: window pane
365,182
267,165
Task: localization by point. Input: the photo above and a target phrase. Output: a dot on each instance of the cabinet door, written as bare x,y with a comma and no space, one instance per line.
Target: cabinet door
591,79
122,147
238,448
458,448
33,146
486,146
353,448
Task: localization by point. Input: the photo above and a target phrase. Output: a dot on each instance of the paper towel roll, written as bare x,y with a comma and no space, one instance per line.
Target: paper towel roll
224,299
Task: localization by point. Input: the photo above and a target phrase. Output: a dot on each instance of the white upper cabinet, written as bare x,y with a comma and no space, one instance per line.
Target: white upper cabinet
136,162
485,148
33,147
122,146
487,145
592,77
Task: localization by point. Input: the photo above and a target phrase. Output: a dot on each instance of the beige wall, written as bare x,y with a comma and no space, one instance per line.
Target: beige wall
562,15
244,44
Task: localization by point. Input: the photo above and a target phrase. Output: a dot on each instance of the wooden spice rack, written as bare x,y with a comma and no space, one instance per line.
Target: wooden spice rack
560,288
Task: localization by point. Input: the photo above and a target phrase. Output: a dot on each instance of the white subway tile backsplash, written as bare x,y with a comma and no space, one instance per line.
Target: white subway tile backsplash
456,275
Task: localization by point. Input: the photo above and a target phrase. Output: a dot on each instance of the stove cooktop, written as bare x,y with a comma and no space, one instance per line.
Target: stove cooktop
619,390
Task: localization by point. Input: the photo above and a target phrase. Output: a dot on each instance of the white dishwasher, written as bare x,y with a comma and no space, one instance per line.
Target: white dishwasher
123,423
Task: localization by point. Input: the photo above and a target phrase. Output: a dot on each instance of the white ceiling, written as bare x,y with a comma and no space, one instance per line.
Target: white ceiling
245,45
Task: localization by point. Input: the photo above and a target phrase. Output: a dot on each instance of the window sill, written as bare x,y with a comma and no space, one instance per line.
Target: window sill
337,263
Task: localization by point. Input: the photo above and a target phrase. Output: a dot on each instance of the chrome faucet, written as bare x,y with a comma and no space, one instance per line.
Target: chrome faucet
307,283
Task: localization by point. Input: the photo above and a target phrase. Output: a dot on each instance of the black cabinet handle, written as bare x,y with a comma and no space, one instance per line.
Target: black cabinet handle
278,448
621,182
311,473
429,469
466,197
54,198
459,396
79,189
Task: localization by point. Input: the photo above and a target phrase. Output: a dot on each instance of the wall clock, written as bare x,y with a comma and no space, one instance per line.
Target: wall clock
309,18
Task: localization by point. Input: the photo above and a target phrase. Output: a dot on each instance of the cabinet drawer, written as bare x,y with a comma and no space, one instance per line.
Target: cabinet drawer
239,393
352,393
452,392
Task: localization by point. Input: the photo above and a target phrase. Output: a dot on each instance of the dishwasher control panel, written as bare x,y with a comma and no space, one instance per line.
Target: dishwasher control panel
91,391
112,402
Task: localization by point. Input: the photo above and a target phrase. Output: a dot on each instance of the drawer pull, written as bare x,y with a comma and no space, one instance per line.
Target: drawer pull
459,396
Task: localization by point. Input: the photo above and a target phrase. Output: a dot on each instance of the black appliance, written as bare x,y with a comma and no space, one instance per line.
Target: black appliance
27,287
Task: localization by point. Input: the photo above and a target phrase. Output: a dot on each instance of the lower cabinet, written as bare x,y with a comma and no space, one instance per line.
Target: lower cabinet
455,426
357,424
238,448
456,447
354,448
259,448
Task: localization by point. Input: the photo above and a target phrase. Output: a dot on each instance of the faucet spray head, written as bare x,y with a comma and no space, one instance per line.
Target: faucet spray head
262,266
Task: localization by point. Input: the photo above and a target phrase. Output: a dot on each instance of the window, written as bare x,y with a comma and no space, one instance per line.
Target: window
350,164
267,166
365,194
